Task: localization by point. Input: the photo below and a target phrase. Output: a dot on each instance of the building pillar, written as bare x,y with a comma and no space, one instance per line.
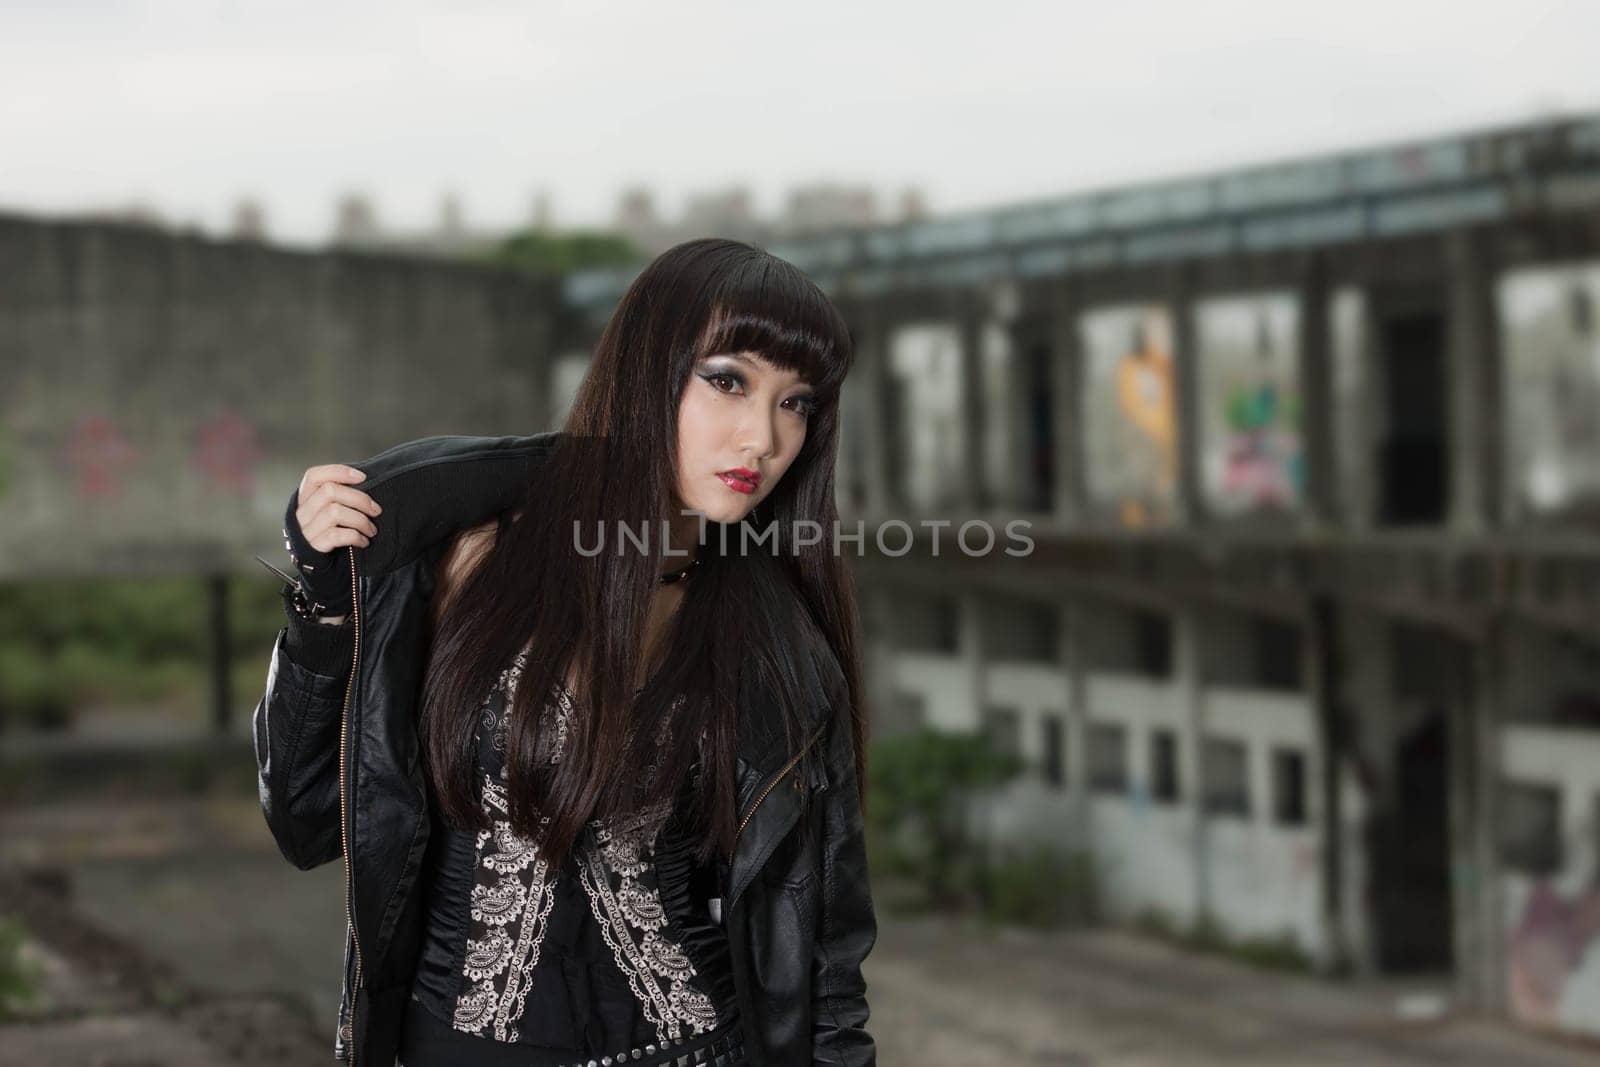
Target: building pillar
1475,788
1324,679
1360,483
872,361
1075,727
1189,506
878,625
975,492
970,623
981,811
1188,676
1066,404
1322,474
1474,405
1035,361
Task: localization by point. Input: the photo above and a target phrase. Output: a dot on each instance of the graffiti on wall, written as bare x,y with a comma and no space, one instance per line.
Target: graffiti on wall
1550,346
1553,950
97,454
1130,412
1548,814
1251,450
225,452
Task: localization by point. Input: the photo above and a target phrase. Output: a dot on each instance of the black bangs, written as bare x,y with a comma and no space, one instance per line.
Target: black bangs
775,310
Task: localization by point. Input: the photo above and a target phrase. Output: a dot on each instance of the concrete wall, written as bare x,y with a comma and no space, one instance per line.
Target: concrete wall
1030,808
1550,895
1263,877
161,395
1143,849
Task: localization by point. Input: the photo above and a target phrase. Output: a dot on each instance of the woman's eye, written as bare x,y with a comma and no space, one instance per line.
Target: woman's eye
731,381
805,405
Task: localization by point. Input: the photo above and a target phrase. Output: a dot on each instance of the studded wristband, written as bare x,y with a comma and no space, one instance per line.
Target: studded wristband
298,597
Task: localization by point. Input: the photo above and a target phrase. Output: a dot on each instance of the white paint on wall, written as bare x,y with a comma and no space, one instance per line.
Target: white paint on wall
1565,757
1034,690
1029,808
1264,878
1144,850
944,682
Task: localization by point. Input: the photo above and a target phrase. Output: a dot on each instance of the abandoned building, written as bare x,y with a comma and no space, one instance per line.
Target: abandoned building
1306,645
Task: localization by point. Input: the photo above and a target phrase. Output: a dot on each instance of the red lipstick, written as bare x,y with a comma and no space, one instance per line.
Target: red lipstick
741,479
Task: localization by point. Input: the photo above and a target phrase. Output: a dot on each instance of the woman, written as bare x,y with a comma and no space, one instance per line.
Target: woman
476,637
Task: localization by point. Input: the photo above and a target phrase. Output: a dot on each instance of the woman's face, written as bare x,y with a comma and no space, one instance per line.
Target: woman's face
741,422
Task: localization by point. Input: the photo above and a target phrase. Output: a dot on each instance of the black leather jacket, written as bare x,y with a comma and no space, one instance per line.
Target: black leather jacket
339,774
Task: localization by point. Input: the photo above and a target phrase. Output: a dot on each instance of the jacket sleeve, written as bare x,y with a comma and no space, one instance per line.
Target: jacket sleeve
847,926
296,728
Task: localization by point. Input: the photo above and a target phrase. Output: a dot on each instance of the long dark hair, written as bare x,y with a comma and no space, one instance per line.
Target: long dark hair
743,617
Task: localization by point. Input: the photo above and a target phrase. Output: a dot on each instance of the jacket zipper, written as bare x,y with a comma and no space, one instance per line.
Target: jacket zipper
344,834
787,767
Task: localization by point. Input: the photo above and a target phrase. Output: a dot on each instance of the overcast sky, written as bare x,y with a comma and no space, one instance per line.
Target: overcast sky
190,105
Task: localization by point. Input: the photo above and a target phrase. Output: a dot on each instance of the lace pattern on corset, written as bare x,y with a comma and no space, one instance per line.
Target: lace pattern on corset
511,898
631,920
559,715
513,892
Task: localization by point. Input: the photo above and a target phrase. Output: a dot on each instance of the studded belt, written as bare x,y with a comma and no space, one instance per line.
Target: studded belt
722,1047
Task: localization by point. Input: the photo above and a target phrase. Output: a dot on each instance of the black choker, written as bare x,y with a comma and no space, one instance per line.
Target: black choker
681,574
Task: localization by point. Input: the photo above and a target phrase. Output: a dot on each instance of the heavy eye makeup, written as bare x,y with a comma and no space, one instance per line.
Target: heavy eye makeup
732,382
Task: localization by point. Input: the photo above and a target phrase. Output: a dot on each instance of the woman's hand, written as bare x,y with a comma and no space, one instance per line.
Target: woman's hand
327,513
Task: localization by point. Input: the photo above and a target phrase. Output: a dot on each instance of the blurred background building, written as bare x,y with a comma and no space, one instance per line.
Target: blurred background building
1306,646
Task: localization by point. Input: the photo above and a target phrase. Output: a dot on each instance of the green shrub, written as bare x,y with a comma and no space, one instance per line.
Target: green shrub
1158,923
65,643
1281,952
33,691
922,784
1208,934
1205,934
18,977
1041,885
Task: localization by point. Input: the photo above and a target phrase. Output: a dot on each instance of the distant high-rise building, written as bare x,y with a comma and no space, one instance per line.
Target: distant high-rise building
726,212
541,220
827,206
356,223
249,221
636,209
913,204
637,220
452,219
448,237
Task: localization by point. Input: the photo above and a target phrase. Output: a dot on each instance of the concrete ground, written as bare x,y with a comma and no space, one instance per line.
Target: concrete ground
186,939
946,993
101,1001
